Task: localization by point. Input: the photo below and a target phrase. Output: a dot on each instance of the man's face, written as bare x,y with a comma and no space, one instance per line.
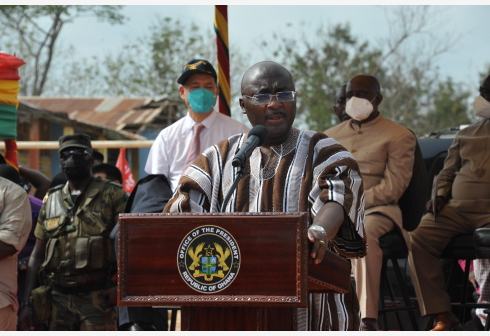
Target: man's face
76,163
362,87
277,117
339,107
485,89
196,81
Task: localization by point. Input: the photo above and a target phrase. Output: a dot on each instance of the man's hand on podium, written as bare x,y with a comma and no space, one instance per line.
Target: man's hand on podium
329,218
318,237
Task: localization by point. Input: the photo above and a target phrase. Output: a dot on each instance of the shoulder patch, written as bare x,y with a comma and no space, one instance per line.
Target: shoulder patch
52,190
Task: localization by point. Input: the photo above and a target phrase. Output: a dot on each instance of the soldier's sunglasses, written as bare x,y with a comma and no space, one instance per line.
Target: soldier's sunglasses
65,154
266,99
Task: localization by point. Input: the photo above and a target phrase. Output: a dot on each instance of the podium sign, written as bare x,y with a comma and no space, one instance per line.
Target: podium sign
225,260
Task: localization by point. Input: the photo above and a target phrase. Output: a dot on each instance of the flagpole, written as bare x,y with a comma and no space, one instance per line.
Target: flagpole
221,29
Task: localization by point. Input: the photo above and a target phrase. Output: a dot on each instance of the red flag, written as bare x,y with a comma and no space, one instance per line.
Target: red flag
128,181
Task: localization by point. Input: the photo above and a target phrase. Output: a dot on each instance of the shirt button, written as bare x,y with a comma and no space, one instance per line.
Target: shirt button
353,151
359,132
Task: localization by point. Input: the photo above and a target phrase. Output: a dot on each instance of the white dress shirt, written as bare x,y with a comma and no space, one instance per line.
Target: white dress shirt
169,151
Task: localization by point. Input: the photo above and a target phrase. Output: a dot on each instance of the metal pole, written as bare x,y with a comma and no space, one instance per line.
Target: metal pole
21,145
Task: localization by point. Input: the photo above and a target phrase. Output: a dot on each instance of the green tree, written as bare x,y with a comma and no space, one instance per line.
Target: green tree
150,66
32,32
321,65
449,107
404,63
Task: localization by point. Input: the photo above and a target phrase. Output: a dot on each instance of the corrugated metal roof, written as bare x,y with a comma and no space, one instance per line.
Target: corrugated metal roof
27,111
111,112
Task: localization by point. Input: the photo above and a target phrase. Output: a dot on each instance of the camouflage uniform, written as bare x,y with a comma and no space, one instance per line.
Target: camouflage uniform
79,253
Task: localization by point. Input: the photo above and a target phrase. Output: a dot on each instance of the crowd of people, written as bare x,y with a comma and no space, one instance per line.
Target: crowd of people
58,256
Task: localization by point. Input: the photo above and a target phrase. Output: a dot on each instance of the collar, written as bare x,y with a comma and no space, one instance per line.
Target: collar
66,194
189,122
366,125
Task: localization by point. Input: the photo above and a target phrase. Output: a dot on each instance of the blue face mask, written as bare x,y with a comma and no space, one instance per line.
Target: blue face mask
201,100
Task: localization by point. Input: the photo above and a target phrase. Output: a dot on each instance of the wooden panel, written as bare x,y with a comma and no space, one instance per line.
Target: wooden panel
273,269
238,319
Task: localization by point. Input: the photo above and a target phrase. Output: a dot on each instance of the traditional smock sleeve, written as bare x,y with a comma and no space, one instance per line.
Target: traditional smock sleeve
199,188
336,178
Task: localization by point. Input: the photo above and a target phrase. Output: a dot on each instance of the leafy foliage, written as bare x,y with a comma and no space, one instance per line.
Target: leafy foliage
404,64
150,66
36,41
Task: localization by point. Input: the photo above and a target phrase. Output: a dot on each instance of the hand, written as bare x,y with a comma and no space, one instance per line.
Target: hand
26,321
439,205
111,293
319,246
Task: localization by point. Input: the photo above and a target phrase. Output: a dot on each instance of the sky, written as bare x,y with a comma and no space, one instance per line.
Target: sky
250,24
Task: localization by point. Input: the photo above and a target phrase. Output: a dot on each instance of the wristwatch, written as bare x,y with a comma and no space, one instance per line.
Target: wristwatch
318,228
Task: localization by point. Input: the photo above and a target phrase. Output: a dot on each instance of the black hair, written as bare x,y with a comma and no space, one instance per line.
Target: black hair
10,173
58,179
98,156
112,172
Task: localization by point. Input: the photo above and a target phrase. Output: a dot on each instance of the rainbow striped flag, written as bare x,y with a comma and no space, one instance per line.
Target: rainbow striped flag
9,102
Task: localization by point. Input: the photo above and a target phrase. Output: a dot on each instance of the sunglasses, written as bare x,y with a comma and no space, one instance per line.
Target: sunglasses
266,99
65,154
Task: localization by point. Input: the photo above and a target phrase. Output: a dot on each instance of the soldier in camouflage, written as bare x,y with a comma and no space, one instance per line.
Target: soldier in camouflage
73,250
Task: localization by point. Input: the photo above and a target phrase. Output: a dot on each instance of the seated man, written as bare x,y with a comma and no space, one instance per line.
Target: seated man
292,171
384,151
462,206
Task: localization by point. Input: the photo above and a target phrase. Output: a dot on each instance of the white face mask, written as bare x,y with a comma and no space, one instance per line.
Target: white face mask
481,107
359,108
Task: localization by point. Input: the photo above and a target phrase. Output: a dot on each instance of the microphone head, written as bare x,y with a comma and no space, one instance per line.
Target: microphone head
259,131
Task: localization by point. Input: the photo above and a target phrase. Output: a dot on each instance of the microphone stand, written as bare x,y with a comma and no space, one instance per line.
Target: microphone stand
238,176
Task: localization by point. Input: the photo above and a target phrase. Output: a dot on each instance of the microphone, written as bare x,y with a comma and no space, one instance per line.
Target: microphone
256,137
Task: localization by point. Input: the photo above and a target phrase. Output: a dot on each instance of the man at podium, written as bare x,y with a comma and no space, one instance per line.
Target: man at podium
293,171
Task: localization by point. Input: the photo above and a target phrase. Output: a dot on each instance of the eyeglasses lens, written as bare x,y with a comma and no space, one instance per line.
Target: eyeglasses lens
282,97
285,96
77,152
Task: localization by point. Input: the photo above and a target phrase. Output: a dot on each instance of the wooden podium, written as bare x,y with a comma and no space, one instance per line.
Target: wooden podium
237,271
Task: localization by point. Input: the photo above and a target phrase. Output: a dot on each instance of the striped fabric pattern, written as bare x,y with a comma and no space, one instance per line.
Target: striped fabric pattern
318,171
221,30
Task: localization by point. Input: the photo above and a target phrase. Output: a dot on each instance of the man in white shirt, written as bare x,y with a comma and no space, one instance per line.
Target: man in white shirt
175,149
180,143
